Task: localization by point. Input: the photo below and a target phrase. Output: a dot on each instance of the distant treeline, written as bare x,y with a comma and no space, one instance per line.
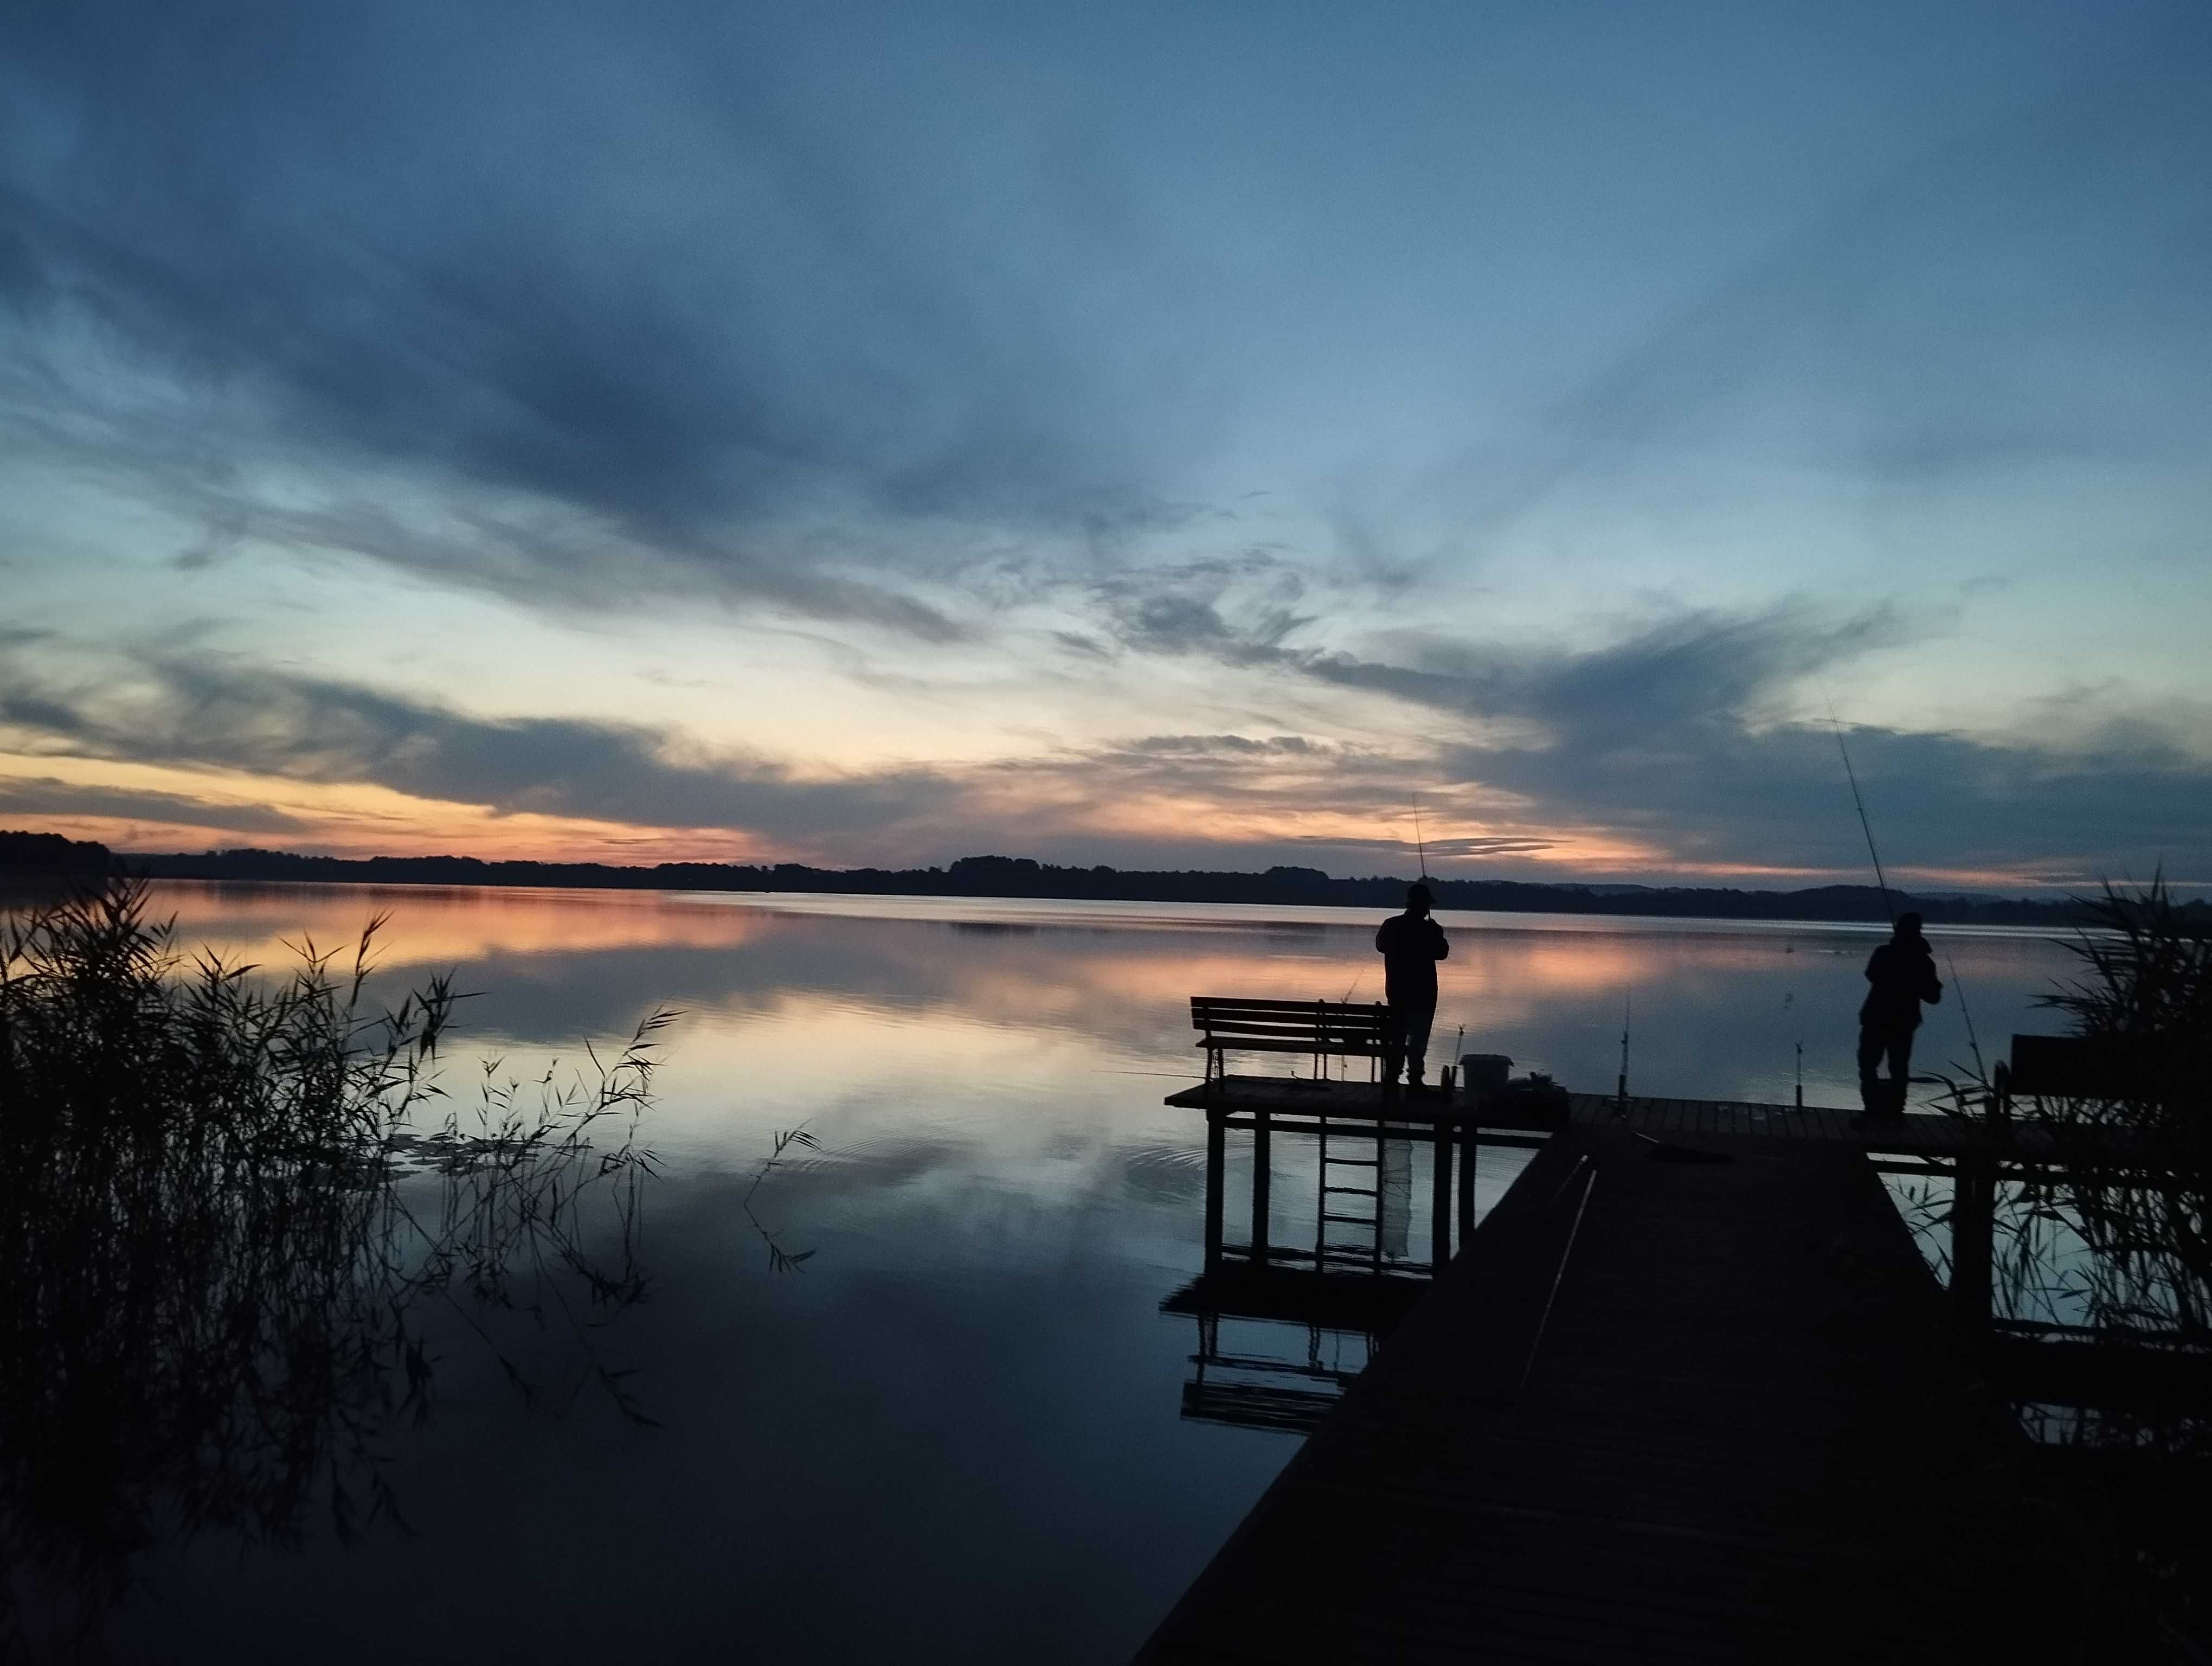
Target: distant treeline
1005,876
49,855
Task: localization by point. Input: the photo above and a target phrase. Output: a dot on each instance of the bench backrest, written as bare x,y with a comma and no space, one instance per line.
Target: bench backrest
1327,1026
2065,1067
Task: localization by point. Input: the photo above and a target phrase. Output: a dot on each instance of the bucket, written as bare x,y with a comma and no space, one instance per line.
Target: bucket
1482,1072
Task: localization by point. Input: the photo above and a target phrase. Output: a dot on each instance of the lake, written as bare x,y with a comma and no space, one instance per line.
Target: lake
904,1392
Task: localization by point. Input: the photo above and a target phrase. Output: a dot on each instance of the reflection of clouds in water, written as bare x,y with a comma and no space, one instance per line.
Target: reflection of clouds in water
436,925
926,1002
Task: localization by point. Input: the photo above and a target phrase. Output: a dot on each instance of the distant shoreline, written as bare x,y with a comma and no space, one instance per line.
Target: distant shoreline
1021,877
49,857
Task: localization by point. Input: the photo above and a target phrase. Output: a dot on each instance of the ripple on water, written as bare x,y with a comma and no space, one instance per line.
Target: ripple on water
1167,1173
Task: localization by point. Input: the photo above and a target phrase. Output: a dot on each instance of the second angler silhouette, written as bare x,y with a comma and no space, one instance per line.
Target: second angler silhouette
1410,944
1903,974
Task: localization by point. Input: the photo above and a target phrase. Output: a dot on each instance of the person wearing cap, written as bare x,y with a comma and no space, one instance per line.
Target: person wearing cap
1903,974
1410,944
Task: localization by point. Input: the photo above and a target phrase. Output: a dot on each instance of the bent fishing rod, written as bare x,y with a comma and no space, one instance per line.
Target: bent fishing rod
1950,964
1865,827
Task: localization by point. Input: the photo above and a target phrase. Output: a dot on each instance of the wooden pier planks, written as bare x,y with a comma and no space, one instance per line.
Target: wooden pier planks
1748,1434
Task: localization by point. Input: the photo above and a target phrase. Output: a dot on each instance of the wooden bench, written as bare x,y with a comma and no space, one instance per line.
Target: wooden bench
2063,1067
1323,1029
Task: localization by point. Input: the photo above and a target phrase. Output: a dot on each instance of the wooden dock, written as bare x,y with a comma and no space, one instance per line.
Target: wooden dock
1454,1130
1293,1103
1658,1409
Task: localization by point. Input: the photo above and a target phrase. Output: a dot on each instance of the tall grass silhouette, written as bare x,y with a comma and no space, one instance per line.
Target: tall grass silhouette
230,1197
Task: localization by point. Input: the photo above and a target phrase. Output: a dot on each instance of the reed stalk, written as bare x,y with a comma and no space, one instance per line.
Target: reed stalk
230,1199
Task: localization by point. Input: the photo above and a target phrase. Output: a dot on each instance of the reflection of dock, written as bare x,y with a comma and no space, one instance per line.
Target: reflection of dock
1689,1392
1340,1296
1264,1390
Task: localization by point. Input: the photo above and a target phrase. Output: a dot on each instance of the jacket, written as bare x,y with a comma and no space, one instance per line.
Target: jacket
1410,945
1903,974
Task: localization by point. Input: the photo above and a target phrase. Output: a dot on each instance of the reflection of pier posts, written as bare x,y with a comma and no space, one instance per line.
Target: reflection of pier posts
1440,1170
1260,1177
1467,1139
1216,1140
1394,1195
1973,1240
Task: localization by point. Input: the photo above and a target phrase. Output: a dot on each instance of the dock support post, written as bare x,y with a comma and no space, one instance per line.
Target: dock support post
1216,1143
1440,1233
1973,1241
1466,1149
1261,1177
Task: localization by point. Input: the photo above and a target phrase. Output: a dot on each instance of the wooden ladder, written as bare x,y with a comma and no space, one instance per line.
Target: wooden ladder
1332,1211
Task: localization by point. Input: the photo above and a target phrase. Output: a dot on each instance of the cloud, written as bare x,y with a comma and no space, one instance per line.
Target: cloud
44,795
1687,668
692,341
1207,745
1131,799
181,710
1935,325
1680,736
1188,607
1649,745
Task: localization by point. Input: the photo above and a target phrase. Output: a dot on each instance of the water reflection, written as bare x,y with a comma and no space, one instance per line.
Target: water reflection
1334,1325
953,1432
1300,1334
1721,1007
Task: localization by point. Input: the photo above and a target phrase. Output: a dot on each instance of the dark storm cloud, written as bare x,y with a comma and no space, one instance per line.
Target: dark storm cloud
184,711
1674,734
1778,795
44,795
621,273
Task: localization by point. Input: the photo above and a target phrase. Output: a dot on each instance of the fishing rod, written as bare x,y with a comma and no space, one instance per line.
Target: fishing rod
1559,1278
1950,964
1420,844
1621,1090
1865,827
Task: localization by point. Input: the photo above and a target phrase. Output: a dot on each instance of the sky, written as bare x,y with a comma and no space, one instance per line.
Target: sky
1159,435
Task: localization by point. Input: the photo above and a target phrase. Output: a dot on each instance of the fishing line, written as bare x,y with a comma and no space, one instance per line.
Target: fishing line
1950,964
1965,1011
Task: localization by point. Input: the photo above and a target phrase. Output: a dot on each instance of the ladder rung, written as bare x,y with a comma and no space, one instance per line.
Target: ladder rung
1348,1191
1352,1221
1353,1162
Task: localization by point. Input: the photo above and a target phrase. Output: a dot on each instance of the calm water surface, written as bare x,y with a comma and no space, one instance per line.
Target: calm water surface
952,1429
